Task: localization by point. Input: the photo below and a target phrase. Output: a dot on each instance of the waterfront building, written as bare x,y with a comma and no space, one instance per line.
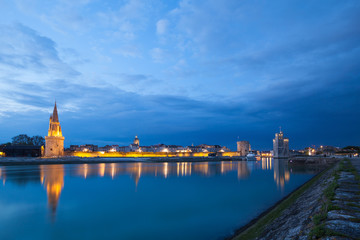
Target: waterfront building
109,148
22,151
280,146
147,149
54,141
136,141
243,147
266,154
124,149
207,148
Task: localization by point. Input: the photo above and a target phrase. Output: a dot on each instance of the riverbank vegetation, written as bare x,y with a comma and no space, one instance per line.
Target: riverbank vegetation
256,228
331,203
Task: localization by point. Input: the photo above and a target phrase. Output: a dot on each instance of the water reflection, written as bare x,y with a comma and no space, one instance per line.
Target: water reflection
52,176
281,173
165,170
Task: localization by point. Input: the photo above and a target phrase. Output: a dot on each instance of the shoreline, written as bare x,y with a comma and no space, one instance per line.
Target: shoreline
275,211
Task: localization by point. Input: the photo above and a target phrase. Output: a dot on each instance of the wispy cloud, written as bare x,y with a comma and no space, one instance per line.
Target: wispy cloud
161,26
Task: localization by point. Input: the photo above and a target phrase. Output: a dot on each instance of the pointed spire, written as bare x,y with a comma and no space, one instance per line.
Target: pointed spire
55,117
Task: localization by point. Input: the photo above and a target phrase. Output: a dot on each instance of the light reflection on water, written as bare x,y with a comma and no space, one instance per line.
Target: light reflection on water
249,176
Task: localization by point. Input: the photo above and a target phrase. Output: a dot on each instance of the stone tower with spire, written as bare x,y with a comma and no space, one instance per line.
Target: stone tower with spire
54,141
280,145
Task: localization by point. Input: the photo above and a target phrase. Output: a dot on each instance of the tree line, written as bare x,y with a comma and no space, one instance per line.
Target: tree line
23,139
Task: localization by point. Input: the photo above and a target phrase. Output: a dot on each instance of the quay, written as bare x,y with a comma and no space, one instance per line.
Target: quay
326,207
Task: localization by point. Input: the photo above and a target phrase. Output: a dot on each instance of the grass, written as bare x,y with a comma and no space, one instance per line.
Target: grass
329,192
319,230
256,229
353,205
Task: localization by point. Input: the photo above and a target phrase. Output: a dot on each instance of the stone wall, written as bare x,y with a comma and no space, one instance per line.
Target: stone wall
54,146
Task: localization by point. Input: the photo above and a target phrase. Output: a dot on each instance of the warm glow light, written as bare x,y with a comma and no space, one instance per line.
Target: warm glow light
165,169
85,170
112,170
102,169
146,154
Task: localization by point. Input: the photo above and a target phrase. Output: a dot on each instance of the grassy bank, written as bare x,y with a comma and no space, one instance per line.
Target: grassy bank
255,228
319,230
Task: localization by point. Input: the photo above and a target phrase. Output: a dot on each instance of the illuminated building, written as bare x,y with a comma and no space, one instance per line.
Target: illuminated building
243,147
54,141
266,154
136,141
135,146
281,145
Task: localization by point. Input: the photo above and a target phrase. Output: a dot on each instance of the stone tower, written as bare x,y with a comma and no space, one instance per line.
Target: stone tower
243,147
281,146
54,141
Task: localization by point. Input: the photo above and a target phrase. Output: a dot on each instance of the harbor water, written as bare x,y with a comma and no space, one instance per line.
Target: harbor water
140,200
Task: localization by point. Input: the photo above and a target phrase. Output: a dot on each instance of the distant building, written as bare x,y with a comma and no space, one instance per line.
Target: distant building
136,141
243,147
109,148
22,151
54,141
84,148
281,146
266,154
124,149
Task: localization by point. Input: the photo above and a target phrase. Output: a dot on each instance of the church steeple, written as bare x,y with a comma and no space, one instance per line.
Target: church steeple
54,141
55,117
54,125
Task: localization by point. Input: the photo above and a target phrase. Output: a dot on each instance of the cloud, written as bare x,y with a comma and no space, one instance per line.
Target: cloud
161,26
128,51
30,65
158,55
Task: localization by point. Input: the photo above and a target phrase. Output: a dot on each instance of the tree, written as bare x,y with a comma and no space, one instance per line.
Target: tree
22,139
38,140
3,145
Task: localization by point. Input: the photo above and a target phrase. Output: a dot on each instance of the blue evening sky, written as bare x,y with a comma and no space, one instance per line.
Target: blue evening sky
182,72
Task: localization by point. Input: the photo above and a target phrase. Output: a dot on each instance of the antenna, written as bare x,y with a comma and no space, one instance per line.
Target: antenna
280,128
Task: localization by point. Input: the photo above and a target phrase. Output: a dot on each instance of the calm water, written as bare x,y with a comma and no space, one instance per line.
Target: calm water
140,200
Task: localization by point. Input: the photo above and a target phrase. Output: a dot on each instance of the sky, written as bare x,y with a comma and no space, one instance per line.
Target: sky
182,72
